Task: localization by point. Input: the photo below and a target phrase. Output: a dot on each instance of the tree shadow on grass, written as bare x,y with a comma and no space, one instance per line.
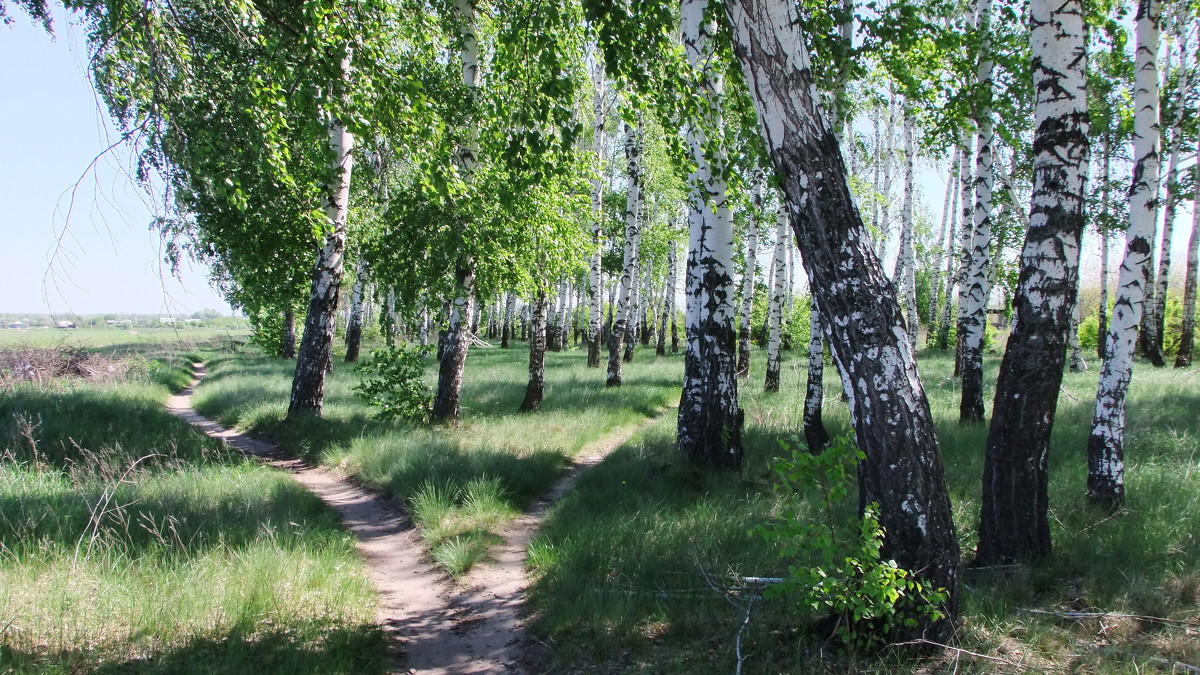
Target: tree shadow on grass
314,647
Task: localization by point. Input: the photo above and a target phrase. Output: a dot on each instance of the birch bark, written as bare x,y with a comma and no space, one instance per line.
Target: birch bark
595,280
316,344
537,355
978,280
1106,444
743,365
1187,333
617,335
354,326
446,405
902,471
775,311
710,421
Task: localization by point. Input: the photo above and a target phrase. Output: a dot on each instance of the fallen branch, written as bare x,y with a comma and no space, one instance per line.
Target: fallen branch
1170,665
1105,615
958,650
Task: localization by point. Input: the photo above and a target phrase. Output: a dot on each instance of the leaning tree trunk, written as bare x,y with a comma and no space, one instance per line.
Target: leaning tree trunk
1187,334
775,308
354,327
902,471
633,207
1106,444
743,364
446,404
289,334
316,345
1013,523
978,281
710,421
537,355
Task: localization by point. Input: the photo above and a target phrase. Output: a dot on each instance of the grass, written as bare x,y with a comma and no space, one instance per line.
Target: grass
620,564
521,455
623,565
113,337
129,543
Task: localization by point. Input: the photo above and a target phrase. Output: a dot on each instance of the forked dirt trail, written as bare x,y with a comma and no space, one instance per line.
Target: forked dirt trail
436,627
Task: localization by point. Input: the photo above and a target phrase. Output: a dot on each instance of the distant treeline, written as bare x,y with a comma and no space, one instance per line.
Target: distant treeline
205,318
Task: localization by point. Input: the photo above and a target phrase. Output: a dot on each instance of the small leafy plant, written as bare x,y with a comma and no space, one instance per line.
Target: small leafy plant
391,380
836,567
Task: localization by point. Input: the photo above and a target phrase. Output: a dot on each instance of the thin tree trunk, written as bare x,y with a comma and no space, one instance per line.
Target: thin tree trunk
710,421
775,311
955,253
966,213
616,336
906,276
1187,334
1154,342
944,245
902,471
743,365
1102,331
668,309
1106,444
446,400
316,345
815,434
506,328
354,329
537,356
978,283
1075,361
289,334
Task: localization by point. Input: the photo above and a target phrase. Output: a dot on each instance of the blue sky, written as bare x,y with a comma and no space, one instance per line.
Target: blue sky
51,128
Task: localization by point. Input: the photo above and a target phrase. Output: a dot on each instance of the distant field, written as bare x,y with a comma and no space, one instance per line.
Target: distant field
104,337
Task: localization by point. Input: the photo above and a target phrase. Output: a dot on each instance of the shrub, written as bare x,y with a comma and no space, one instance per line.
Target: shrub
391,380
835,567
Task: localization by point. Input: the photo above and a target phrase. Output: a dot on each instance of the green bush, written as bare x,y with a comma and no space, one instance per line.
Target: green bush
835,567
391,380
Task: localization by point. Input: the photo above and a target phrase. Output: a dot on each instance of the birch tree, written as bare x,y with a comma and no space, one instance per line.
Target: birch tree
710,421
743,365
902,471
1106,443
1183,358
629,264
596,263
775,308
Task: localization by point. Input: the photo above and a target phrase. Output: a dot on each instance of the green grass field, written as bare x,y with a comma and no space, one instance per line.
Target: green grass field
113,337
624,567
130,543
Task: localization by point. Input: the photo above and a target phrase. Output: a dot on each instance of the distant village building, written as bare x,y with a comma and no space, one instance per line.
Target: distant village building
66,324
17,325
166,320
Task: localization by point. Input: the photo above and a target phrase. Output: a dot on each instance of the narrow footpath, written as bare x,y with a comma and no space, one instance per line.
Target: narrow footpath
436,627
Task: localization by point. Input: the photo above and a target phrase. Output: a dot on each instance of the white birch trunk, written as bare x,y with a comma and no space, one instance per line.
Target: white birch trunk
906,276
743,367
775,311
1187,333
595,281
944,243
1106,463
314,357
633,203
710,421
978,279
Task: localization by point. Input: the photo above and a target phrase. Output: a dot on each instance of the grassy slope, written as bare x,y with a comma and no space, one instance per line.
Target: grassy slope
194,560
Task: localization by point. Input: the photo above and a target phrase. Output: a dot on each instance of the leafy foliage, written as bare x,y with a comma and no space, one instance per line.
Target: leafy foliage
835,567
391,380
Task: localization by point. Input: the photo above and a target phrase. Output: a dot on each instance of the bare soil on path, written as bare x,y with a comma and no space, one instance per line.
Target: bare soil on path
436,627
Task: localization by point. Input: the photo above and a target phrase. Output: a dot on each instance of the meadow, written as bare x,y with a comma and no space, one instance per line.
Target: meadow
638,569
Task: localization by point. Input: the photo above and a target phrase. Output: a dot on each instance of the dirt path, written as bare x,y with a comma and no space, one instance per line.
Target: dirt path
436,627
